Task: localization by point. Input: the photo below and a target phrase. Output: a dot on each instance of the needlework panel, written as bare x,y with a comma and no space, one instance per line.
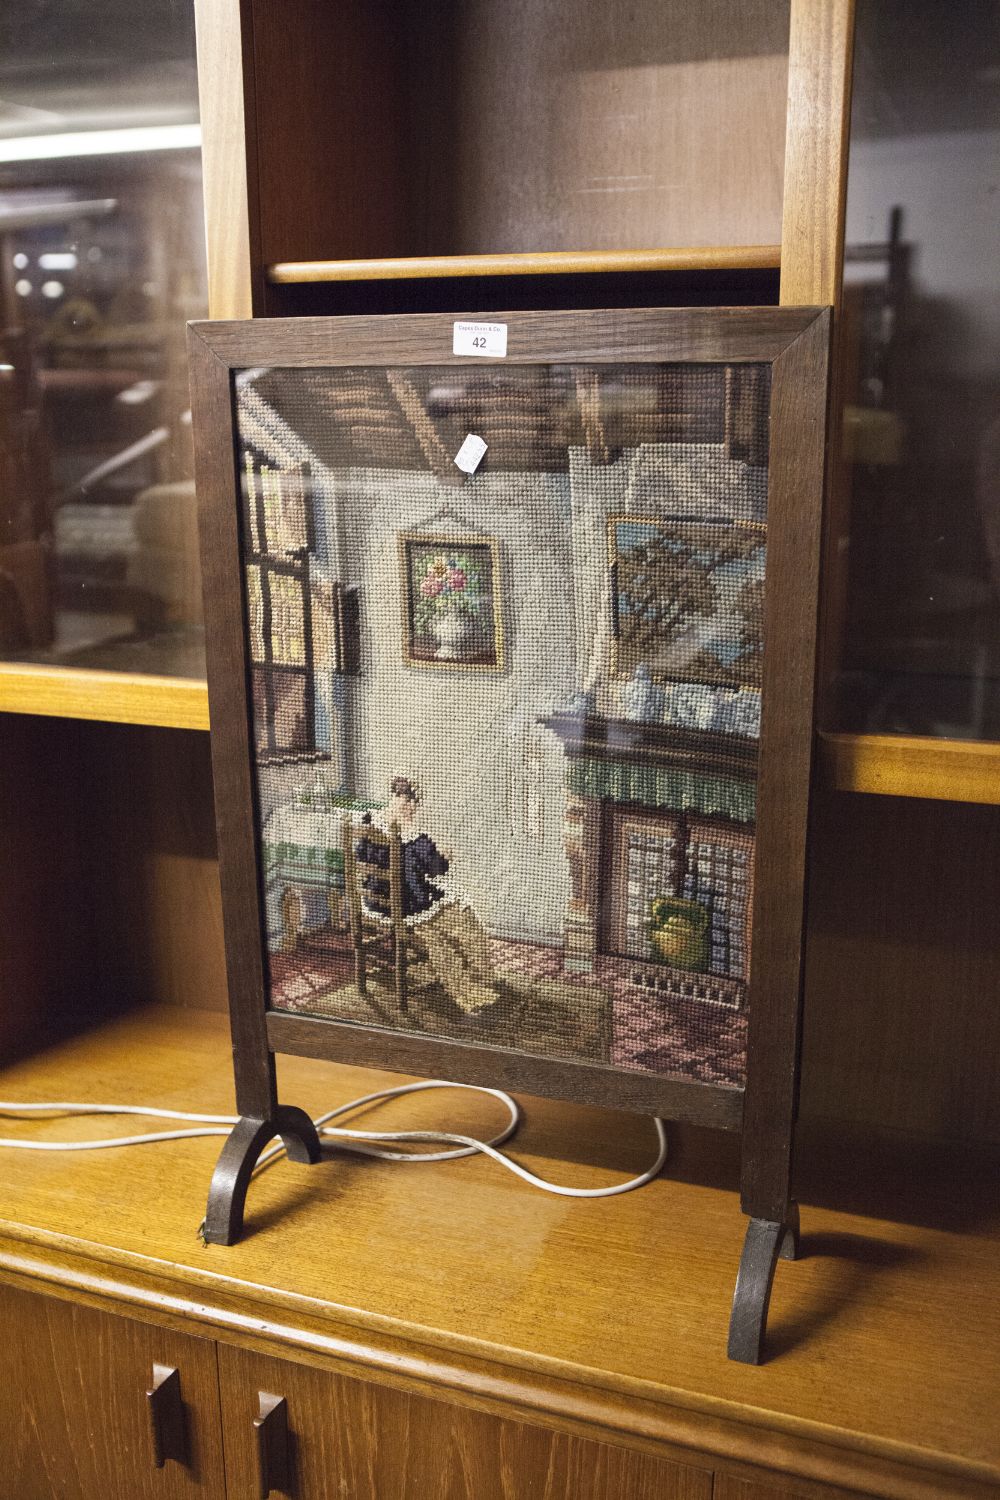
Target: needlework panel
506,723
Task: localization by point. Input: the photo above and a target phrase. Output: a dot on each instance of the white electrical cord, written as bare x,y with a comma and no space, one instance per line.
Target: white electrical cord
347,1140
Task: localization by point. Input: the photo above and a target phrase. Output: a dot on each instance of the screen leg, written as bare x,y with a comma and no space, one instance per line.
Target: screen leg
231,1178
766,1243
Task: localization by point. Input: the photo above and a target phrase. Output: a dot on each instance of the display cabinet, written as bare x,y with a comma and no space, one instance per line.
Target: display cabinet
296,225
102,255
913,603
370,158
444,1331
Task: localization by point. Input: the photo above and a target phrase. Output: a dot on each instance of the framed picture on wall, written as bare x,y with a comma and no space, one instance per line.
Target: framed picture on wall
452,609
688,599
572,856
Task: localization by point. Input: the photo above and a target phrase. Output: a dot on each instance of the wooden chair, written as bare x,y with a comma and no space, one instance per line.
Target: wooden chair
383,945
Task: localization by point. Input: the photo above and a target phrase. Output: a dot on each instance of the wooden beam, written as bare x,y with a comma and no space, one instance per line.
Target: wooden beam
820,65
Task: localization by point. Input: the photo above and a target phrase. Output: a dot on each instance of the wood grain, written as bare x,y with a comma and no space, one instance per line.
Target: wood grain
115,697
605,1317
615,135
820,62
354,1438
820,67
899,765
621,129
77,1426
329,146
232,739
226,94
545,263
728,1488
795,489
586,1083
730,335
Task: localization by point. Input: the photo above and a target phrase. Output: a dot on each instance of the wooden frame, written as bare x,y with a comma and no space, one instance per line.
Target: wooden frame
794,343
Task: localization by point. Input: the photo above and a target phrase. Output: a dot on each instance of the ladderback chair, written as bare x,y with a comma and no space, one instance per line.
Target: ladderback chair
382,942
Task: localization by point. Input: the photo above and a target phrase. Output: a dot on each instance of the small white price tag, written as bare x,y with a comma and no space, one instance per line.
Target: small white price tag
470,455
489,339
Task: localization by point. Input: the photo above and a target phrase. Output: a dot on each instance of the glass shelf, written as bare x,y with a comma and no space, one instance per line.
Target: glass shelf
102,261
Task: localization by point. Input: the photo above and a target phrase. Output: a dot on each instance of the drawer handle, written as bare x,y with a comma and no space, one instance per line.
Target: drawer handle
166,1416
271,1433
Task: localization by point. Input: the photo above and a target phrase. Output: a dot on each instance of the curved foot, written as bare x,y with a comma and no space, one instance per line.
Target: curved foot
765,1242
231,1178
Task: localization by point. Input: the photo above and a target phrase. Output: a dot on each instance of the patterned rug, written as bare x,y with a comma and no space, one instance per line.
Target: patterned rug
599,1016
542,1017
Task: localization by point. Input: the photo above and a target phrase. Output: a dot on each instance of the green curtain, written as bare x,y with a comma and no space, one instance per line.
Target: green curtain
683,791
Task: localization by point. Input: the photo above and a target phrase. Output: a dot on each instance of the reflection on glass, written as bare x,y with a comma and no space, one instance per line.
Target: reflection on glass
921,632
101,263
517,715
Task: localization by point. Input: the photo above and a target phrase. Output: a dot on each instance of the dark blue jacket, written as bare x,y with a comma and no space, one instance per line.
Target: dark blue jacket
421,860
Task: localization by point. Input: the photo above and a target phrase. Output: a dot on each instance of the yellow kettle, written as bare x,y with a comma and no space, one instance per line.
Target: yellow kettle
678,933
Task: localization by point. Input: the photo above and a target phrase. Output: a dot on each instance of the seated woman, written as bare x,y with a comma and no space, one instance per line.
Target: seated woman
455,941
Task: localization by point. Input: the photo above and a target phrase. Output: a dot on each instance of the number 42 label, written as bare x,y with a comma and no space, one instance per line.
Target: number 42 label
489,339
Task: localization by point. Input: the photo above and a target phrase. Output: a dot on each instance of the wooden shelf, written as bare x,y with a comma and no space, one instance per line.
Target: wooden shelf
894,765
114,697
697,258
887,765
608,1315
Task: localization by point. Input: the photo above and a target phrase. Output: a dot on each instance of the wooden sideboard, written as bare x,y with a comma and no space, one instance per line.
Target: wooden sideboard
448,1332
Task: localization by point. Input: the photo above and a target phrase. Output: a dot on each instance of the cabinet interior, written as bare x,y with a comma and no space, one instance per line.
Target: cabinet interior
499,126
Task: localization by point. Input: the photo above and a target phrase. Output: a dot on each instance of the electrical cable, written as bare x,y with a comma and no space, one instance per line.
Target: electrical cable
340,1138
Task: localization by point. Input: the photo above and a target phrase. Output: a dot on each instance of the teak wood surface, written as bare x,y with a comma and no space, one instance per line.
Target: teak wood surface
75,1424
604,1318
543,263
902,765
794,342
372,1443
591,106
113,697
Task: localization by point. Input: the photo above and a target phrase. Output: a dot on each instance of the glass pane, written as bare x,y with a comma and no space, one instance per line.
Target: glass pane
288,646
102,261
516,712
921,627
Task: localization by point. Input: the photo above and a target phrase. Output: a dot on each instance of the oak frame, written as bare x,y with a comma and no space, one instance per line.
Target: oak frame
795,343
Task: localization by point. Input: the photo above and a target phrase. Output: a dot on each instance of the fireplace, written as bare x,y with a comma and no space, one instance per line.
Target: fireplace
661,854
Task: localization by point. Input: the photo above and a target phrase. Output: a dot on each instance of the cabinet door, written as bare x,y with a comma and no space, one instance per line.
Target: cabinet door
729,1488
74,1418
351,1440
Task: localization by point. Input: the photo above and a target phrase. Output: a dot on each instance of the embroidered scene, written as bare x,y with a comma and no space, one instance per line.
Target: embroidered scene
506,722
